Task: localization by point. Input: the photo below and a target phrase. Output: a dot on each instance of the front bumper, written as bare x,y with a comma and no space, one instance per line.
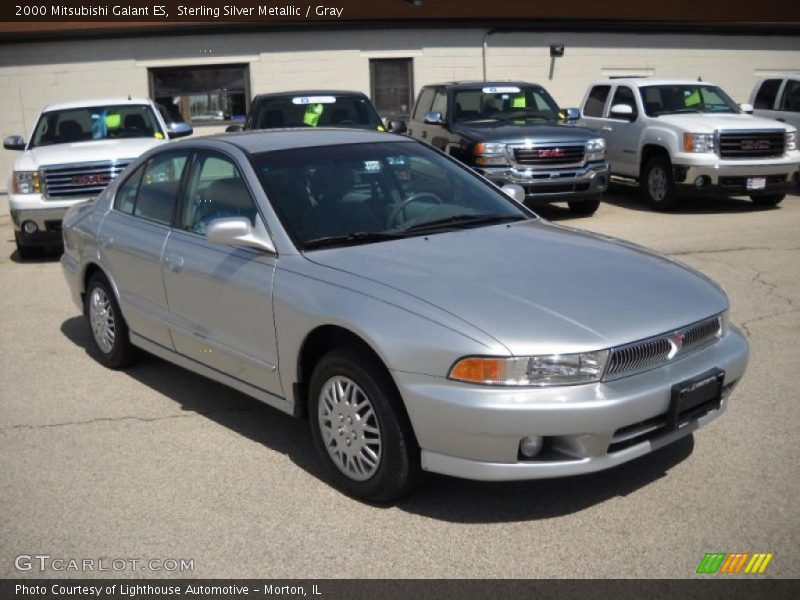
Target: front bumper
588,181
474,431
727,177
46,214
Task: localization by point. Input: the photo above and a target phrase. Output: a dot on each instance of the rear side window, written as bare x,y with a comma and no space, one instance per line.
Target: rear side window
765,98
596,101
423,104
791,96
151,192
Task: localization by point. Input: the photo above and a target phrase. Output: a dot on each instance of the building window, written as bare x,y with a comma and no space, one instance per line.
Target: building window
198,95
391,85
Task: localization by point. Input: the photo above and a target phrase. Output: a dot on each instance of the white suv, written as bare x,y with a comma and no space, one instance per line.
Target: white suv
76,150
676,138
778,98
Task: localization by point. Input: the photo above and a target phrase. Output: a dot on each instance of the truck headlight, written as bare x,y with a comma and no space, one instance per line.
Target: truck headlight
540,371
791,140
596,149
26,182
490,154
698,142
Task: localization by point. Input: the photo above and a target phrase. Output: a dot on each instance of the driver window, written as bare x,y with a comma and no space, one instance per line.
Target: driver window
440,103
624,95
216,190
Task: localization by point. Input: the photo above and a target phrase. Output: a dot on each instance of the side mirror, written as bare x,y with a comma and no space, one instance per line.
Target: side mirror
234,128
237,231
14,142
434,118
514,191
747,108
572,114
179,130
396,126
621,111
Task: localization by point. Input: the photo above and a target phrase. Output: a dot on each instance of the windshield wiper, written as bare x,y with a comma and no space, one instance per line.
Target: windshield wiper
348,239
456,220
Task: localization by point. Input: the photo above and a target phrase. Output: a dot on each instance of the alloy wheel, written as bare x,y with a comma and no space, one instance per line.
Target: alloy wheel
101,317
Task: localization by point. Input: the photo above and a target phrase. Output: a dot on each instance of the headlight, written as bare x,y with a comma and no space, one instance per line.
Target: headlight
545,370
791,140
698,142
26,182
490,154
596,149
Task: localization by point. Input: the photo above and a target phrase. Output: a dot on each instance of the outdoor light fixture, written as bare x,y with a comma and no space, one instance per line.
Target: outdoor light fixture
557,51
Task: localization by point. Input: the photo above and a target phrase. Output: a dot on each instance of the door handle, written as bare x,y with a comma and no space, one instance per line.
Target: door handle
607,128
106,241
175,263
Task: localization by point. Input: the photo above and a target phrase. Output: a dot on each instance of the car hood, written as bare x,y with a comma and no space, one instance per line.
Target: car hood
538,287
509,131
82,152
708,123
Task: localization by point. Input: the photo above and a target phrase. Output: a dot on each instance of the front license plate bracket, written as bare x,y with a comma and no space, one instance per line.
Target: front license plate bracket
695,397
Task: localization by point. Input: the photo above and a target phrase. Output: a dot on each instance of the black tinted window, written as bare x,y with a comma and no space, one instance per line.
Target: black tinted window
126,194
624,95
504,102
315,111
765,98
596,101
423,104
159,187
791,96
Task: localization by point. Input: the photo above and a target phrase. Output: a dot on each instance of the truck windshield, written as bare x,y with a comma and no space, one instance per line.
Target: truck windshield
316,111
510,102
685,98
88,123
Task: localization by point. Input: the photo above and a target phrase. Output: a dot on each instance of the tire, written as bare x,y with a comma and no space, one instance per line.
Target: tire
768,200
369,451
657,184
110,339
584,207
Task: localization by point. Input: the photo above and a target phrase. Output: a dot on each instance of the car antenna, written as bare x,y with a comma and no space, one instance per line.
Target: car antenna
698,79
129,96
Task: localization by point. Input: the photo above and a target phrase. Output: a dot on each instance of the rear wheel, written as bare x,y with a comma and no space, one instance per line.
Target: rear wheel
768,200
658,186
109,332
360,429
584,207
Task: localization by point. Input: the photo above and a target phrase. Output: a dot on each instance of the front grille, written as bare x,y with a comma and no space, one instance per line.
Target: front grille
52,225
752,144
653,352
79,180
551,155
741,182
555,188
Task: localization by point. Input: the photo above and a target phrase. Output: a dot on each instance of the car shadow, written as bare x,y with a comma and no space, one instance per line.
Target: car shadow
442,498
44,256
631,198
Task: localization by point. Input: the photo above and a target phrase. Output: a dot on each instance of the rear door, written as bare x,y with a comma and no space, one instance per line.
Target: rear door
132,238
220,297
766,97
789,104
623,135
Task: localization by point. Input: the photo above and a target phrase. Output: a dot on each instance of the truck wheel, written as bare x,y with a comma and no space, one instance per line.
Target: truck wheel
359,428
584,207
657,185
768,200
110,339
27,252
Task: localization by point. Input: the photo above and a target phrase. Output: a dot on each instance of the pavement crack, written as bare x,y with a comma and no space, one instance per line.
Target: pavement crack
745,325
188,415
734,249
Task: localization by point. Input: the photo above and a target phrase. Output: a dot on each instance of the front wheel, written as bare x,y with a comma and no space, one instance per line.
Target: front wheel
768,200
584,207
658,186
360,429
109,332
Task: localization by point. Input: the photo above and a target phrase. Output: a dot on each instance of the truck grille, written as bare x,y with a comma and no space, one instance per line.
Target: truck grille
551,155
751,144
80,180
658,350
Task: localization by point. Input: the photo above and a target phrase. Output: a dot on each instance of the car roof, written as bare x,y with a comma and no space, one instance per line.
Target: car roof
478,83
96,102
645,81
266,140
309,93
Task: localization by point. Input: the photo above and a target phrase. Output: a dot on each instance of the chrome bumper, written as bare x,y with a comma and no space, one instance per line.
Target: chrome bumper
474,431
588,180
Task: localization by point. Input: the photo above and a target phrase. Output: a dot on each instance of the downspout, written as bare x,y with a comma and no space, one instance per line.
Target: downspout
484,48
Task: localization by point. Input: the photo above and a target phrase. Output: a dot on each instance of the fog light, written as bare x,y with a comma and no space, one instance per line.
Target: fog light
531,445
702,181
30,227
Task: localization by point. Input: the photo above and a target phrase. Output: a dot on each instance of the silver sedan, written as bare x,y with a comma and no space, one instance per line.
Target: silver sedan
419,317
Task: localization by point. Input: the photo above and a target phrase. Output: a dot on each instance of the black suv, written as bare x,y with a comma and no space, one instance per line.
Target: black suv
311,109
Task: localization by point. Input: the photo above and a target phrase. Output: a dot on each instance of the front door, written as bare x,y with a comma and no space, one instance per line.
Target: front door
220,297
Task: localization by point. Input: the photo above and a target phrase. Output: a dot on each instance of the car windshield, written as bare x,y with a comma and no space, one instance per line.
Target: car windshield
508,102
686,98
316,111
373,192
89,123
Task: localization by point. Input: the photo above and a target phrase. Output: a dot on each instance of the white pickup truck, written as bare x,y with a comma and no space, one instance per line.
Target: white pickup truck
76,150
678,138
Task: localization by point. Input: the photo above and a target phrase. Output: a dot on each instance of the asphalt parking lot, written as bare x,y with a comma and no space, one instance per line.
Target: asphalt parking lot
155,462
